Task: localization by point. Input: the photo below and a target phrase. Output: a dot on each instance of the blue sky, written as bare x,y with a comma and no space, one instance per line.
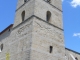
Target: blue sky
71,20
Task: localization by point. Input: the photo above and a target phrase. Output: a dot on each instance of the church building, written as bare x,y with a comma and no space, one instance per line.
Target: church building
37,33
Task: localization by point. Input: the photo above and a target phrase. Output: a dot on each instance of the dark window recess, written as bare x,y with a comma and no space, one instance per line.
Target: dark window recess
76,58
49,1
23,16
1,47
48,16
51,48
24,1
9,29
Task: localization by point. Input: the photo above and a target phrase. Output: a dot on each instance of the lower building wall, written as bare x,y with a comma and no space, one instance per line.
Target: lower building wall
71,55
43,36
31,40
17,45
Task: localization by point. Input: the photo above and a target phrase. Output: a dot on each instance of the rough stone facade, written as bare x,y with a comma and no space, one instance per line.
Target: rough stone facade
71,55
35,38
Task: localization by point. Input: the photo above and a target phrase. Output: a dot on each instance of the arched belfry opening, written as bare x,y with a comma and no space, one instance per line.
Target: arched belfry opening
48,16
23,15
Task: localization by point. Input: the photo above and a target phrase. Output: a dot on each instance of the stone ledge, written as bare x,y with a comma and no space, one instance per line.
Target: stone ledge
22,5
39,19
53,6
43,0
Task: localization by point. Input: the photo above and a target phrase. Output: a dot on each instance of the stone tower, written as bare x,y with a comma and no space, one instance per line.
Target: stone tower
37,33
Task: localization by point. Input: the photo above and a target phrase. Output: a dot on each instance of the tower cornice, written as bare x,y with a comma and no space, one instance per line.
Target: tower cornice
38,19
44,1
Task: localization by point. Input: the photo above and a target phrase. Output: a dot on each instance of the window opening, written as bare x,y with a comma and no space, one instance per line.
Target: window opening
48,17
23,16
49,1
51,48
76,58
24,1
1,47
9,29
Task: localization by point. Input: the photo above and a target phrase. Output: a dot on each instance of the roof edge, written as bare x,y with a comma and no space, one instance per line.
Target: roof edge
72,50
6,29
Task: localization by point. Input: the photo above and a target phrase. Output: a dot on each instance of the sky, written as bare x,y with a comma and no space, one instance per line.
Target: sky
71,20
71,23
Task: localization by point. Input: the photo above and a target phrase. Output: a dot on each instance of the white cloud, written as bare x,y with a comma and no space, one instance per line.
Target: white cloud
75,3
76,35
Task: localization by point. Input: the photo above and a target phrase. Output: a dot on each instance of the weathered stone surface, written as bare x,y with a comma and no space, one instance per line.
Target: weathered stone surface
32,38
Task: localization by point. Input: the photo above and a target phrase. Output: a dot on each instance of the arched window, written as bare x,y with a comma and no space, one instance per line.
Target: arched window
48,16
23,15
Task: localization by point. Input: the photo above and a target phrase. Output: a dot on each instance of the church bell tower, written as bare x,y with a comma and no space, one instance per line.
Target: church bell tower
39,25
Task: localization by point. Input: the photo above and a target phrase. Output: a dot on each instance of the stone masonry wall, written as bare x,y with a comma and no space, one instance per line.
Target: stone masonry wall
41,8
29,11
43,36
70,54
17,45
